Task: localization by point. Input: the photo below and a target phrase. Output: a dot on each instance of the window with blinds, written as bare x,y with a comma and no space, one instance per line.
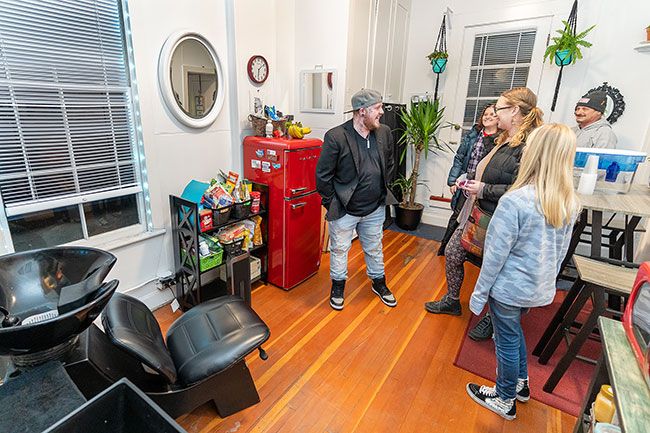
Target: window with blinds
66,122
70,167
500,62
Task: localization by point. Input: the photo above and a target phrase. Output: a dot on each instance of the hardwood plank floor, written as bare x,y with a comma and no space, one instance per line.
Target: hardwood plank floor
368,368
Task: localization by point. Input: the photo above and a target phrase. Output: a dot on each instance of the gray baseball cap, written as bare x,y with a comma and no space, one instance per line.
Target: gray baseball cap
364,98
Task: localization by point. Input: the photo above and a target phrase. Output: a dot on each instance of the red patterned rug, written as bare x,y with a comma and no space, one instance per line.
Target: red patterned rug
479,358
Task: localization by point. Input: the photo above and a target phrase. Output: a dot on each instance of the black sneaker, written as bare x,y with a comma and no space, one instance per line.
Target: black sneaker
523,391
336,295
487,397
483,329
380,289
445,305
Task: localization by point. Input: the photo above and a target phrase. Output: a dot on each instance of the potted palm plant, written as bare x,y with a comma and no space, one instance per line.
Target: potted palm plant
565,48
421,123
438,61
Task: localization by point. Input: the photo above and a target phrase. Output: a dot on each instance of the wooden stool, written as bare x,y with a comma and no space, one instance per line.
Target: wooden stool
595,280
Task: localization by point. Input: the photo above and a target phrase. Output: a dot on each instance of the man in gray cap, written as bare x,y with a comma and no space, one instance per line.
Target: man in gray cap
351,176
593,129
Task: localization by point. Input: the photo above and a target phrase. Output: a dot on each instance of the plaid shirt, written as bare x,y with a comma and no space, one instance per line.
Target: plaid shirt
475,157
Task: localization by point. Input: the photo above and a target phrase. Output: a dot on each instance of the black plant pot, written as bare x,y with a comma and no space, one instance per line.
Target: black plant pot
408,219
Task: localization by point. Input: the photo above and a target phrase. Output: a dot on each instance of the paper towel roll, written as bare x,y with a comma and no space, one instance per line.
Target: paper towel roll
587,183
591,166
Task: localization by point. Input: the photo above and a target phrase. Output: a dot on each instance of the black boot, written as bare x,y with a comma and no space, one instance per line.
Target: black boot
336,294
483,329
445,305
380,289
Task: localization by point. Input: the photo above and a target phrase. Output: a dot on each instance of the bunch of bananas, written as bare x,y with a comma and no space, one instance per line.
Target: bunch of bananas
296,130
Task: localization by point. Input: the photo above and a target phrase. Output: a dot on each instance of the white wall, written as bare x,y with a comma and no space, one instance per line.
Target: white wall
612,59
174,153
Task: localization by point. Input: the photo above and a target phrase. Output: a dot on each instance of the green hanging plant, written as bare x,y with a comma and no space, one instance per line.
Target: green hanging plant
437,55
569,42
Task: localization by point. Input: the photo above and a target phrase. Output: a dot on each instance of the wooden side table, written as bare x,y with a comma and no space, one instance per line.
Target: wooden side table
618,367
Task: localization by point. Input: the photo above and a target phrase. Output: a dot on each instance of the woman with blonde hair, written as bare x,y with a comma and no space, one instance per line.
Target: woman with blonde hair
526,240
518,115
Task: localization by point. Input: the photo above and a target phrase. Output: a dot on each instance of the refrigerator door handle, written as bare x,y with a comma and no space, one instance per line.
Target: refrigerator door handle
298,205
297,190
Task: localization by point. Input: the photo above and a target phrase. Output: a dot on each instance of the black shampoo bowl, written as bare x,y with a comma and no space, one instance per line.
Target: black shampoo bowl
49,296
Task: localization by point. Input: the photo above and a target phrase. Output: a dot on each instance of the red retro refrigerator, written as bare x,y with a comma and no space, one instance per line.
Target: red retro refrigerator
288,168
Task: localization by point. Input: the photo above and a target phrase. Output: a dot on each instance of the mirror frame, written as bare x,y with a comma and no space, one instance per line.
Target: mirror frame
617,100
302,76
165,81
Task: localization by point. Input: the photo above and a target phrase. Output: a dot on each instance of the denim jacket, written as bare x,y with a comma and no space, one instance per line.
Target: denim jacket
522,255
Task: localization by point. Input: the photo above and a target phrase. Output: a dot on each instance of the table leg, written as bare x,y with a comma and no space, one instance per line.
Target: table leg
583,295
599,378
577,342
557,318
596,233
578,229
629,237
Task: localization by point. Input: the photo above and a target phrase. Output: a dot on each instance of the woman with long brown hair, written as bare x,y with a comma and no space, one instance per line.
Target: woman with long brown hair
518,115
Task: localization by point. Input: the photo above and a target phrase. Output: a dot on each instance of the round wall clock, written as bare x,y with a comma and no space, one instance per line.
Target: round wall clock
258,69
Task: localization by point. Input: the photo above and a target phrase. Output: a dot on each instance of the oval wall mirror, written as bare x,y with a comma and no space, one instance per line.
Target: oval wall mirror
191,79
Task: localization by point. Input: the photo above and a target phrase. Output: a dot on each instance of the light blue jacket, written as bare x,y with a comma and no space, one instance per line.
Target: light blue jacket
522,254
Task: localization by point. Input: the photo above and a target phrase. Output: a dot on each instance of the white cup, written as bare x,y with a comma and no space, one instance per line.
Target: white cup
587,183
591,167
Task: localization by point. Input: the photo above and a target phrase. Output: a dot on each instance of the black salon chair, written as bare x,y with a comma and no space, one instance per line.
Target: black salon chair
204,358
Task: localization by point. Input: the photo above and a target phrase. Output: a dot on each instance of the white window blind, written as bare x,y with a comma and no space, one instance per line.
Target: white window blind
66,124
499,62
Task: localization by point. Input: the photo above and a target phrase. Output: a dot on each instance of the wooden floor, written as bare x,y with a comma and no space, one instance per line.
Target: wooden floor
368,368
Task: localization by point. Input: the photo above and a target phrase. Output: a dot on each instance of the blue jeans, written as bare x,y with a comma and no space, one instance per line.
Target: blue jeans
510,347
370,230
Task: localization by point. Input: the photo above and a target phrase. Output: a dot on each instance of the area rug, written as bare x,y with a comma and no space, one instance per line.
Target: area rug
426,231
479,358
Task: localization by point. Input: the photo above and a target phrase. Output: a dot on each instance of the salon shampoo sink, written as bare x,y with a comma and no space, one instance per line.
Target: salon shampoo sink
49,296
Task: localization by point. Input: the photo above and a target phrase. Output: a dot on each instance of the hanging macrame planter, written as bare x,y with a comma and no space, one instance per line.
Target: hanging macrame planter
439,55
563,57
565,48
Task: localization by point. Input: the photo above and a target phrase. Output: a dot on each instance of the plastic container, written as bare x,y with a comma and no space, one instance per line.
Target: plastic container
221,216
616,168
604,405
120,408
234,248
242,210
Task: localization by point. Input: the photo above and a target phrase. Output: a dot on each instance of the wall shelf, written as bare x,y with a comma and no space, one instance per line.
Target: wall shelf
643,47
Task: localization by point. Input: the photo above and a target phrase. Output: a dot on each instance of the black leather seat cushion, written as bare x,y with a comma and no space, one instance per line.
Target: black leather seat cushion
213,336
131,326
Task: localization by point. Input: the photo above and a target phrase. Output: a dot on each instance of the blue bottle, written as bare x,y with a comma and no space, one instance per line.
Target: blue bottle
612,172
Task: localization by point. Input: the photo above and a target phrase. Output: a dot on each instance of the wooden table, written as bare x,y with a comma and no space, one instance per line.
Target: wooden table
635,205
618,367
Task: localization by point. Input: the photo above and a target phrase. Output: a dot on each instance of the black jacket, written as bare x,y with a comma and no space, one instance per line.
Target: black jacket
499,174
336,172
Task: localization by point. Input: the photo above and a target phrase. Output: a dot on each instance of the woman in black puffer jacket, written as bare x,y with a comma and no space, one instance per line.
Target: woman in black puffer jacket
518,115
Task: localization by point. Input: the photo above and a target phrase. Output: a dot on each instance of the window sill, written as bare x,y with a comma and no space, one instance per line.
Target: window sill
120,239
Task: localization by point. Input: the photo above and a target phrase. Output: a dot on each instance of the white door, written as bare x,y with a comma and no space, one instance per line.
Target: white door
489,61
381,37
397,56
361,13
